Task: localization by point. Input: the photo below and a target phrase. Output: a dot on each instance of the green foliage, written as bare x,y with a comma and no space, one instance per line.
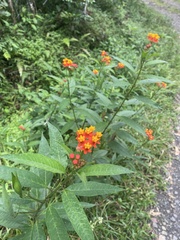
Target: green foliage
71,204
105,198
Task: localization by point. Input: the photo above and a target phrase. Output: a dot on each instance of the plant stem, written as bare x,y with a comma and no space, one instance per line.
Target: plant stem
72,106
127,94
56,188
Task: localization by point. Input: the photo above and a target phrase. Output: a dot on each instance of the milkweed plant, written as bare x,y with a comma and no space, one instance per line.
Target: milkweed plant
100,124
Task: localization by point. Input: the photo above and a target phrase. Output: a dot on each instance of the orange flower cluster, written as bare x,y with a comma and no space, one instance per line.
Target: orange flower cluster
162,85
76,160
149,133
104,53
153,37
105,58
120,65
68,63
87,139
95,71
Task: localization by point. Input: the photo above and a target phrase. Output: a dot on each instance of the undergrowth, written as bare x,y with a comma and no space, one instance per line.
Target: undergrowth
33,81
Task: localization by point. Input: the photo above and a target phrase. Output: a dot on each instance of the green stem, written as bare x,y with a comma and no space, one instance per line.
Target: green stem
72,106
127,94
56,188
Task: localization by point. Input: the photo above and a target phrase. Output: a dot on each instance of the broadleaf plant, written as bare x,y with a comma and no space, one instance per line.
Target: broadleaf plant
93,133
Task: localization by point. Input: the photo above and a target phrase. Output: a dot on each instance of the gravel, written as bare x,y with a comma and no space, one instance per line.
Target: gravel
170,9
165,219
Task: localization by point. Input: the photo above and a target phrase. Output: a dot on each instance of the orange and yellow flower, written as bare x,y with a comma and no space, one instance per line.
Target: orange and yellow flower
120,65
103,53
149,133
95,71
87,139
106,60
153,37
68,63
161,85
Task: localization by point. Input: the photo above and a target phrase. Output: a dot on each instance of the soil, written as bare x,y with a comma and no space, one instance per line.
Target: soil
165,219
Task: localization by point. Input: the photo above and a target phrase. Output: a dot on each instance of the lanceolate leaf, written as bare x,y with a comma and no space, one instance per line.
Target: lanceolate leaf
104,100
77,216
120,148
154,62
26,178
93,189
128,65
56,145
55,225
34,232
7,204
103,170
91,115
36,160
37,232
147,101
44,147
126,136
133,124
9,221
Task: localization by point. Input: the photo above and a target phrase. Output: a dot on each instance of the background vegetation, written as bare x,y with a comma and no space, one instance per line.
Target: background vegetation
35,37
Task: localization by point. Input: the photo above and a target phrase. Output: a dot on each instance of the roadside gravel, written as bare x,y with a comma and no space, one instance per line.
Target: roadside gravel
170,9
165,219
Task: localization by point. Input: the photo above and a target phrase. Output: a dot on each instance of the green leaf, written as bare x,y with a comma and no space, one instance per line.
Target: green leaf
7,204
44,147
133,124
9,221
104,170
55,225
154,79
66,41
89,114
20,68
36,160
154,62
72,85
126,136
16,184
58,79
7,55
56,145
126,113
104,100
91,189
37,232
69,125
32,232
127,64
147,101
123,150
27,178
132,101
99,153
77,216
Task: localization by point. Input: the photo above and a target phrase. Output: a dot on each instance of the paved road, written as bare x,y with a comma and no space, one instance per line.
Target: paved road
169,8
166,214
